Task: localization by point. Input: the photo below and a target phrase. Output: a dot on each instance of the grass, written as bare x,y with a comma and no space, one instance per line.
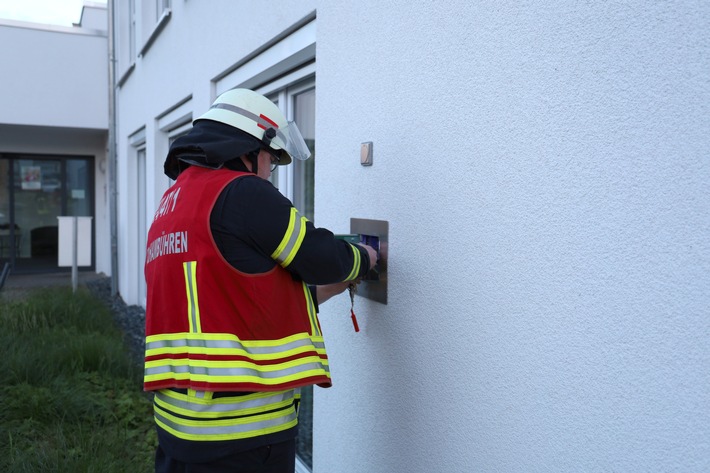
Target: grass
71,398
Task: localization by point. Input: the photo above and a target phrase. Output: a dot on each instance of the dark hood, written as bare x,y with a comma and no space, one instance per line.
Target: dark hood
210,144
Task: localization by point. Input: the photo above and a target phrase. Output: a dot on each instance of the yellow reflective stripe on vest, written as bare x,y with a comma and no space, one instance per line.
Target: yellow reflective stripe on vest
198,407
229,344
200,394
291,242
311,311
356,264
225,429
193,304
235,371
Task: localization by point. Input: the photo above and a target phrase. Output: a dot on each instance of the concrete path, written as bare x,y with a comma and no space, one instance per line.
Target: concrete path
18,285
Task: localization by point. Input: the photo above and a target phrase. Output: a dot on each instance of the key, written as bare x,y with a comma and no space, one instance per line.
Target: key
352,288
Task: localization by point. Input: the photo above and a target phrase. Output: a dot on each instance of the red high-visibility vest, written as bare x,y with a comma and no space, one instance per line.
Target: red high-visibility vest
210,327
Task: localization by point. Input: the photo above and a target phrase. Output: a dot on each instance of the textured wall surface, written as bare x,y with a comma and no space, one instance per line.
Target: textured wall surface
545,170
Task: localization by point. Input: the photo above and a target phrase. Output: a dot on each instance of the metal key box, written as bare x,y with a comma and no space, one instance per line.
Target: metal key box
374,233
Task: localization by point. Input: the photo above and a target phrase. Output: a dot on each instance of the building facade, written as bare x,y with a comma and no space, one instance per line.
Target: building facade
543,167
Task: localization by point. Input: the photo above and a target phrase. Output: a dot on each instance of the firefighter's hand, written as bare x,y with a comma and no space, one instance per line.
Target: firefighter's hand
325,292
371,253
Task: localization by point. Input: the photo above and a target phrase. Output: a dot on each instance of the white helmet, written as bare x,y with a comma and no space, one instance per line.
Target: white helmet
258,116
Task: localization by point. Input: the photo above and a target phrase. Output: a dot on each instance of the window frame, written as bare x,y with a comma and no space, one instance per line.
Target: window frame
302,80
279,69
284,94
171,124
153,23
139,155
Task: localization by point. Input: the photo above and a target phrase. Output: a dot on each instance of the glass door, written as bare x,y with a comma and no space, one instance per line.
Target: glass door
303,110
34,191
37,204
79,188
9,235
141,215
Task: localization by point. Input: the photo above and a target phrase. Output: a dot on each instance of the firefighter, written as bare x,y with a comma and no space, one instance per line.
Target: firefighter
235,275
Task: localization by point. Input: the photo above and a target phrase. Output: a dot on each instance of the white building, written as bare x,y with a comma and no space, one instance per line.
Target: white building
544,171
53,132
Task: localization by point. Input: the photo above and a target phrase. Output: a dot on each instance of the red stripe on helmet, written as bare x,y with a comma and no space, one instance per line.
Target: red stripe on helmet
268,120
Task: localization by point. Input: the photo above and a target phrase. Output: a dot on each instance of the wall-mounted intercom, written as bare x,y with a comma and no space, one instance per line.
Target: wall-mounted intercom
374,233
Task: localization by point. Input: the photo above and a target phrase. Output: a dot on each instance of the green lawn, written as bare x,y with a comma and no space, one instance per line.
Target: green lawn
71,398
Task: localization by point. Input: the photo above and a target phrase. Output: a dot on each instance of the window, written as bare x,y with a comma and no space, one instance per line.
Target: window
142,219
304,114
296,181
173,135
283,69
77,182
178,132
125,47
153,19
137,142
34,191
173,123
297,102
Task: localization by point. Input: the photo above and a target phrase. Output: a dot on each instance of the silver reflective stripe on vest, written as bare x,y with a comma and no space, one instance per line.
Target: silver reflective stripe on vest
233,345
244,427
197,406
233,369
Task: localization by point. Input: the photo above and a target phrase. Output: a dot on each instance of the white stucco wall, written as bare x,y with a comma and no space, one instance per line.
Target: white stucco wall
544,168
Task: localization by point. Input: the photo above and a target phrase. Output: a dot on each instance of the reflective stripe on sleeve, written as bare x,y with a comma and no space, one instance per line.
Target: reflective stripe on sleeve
292,239
356,264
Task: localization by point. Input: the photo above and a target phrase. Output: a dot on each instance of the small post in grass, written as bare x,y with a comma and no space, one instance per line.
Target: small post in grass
74,245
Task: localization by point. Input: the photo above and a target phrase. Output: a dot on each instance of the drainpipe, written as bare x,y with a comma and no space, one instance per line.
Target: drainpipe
112,159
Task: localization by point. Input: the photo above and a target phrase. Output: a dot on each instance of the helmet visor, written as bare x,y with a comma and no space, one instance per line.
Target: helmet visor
291,141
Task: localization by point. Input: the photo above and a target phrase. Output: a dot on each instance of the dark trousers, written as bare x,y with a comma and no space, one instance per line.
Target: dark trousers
275,458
